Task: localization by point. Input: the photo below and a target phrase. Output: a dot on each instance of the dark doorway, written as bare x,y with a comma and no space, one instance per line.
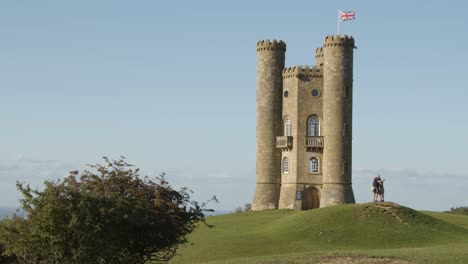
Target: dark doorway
311,199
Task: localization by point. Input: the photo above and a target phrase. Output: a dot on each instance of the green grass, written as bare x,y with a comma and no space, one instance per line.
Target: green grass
284,236
461,220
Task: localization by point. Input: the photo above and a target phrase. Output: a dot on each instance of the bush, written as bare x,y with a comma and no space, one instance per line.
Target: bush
108,214
6,259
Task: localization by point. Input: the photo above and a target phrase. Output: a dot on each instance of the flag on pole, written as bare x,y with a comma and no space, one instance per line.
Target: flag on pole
347,15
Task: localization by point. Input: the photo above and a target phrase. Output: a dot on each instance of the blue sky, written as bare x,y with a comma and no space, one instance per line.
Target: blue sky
171,86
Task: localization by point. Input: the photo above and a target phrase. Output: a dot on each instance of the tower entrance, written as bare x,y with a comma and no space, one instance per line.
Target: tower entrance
311,199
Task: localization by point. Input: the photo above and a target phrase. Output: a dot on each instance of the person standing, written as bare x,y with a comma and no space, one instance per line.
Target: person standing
380,191
375,187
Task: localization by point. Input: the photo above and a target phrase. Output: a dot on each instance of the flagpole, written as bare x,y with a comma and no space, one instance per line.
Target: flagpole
338,23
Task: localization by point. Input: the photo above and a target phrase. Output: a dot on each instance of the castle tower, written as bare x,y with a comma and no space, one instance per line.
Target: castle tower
304,127
270,64
337,120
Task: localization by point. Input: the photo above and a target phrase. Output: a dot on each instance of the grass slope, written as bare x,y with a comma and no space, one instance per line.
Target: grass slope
274,236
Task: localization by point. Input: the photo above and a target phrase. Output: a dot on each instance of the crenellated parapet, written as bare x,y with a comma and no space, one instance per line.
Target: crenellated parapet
302,71
319,53
263,45
319,57
338,40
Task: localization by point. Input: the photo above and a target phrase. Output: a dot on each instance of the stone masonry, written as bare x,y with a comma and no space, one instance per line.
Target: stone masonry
304,127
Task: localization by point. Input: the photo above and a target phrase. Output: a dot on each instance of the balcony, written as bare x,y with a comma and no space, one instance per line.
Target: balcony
314,142
284,142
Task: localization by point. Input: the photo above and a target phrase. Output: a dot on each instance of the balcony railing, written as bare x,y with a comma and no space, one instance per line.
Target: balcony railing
284,142
314,142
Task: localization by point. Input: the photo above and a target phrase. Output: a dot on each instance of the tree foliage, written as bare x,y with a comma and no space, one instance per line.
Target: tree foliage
6,259
106,214
463,210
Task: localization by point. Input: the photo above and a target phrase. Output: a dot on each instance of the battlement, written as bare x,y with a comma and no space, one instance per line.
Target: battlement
263,45
302,71
338,40
319,53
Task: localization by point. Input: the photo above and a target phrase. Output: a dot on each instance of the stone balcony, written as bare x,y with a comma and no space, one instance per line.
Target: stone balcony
284,143
314,142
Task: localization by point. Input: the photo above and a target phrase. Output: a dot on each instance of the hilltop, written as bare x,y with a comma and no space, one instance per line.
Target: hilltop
337,234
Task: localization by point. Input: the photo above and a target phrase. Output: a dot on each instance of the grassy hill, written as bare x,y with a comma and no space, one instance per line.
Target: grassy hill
364,233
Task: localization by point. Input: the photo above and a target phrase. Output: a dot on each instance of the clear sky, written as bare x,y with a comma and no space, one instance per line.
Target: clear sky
171,85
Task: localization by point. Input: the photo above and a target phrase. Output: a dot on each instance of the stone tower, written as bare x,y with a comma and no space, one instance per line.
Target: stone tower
270,64
304,127
337,119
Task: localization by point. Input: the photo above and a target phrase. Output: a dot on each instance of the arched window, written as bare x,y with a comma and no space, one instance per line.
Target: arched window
313,126
313,165
285,165
287,126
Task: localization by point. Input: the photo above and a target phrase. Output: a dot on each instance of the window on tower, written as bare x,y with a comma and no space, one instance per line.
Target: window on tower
313,126
346,91
313,165
287,126
345,167
315,92
285,165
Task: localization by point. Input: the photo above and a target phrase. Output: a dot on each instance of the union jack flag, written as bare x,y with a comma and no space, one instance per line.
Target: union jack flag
347,15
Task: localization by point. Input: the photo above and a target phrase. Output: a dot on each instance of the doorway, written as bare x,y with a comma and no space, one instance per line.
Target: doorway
311,199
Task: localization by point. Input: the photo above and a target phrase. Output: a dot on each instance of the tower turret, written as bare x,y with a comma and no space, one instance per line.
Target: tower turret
270,64
337,117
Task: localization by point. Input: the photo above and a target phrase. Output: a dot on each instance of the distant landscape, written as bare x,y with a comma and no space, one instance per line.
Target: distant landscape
7,211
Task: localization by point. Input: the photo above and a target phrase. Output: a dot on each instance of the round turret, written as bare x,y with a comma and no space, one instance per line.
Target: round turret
337,116
270,65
